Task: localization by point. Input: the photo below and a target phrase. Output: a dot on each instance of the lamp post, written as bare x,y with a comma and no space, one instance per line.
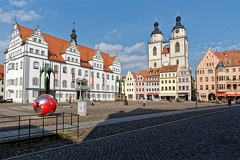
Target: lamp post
196,97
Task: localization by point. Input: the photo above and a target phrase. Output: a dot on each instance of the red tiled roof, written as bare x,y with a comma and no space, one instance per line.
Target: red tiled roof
1,71
229,58
166,50
171,68
57,46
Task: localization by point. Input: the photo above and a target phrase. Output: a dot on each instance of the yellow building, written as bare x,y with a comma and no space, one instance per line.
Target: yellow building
168,76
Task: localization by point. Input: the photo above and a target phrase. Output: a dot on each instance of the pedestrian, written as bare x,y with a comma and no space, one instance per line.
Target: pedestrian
70,98
92,103
229,101
143,102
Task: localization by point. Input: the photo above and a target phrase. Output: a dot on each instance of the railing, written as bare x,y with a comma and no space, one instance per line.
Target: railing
25,127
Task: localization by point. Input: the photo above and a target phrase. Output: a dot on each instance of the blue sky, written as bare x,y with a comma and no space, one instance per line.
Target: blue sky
123,27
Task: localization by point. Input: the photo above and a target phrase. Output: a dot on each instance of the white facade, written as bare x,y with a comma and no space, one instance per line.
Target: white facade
172,52
28,53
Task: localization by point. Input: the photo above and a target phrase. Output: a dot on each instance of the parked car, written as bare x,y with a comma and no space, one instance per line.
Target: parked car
10,100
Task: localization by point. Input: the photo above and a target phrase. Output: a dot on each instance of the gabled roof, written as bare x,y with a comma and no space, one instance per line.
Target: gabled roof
166,50
58,46
1,71
170,68
229,58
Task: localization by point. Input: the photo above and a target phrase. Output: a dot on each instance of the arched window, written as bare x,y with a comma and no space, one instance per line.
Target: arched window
73,71
92,74
177,47
79,72
154,51
210,71
64,69
64,84
55,67
155,64
98,87
86,73
177,61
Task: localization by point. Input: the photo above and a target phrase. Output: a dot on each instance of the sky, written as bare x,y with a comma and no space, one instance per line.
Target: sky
123,27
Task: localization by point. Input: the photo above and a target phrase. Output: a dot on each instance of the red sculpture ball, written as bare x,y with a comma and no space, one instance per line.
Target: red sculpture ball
44,105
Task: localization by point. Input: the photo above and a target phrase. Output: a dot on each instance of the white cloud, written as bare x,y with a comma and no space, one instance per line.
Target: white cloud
18,3
138,47
114,33
21,15
109,48
130,60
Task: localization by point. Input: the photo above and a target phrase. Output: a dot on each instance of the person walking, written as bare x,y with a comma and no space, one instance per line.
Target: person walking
229,101
92,103
70,98
144,102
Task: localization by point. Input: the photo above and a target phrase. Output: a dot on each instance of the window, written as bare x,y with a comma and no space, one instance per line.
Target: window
177,47
112,87
234,69
154,51
201,79
35,81
155,64
112,77
201,87
37,51
42,53
56,83
79,72
210,71
55,67
64,69
72,84
212,87
73,71
21,65
206,87
64,84
98,75
98,87
86,73
92,86
234,78
212,79
35,65
16,66
20,81
227,70
177,61
206,79
31,50
107,76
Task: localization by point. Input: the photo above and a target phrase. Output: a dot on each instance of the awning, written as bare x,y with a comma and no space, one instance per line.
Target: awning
152,93
233,95
221,94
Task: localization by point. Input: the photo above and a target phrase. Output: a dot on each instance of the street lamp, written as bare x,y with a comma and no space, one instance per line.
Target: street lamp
196,97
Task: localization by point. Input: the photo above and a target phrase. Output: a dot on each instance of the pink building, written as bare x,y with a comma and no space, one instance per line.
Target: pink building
218,76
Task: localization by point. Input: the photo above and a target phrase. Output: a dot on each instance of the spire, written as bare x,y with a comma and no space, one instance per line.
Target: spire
73,35
156,29
178,23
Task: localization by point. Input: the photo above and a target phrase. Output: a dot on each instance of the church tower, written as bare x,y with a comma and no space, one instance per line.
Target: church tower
179,45
155,47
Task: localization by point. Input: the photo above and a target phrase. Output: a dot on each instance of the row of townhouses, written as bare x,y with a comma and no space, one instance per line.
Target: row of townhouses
169,75
218,76
36,63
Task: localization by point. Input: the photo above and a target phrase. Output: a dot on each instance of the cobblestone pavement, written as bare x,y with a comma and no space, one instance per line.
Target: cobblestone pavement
213,136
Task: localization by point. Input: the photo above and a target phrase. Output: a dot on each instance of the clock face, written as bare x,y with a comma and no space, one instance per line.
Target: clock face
177,31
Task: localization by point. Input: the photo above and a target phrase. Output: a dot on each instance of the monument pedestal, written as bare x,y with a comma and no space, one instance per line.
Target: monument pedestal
82,108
